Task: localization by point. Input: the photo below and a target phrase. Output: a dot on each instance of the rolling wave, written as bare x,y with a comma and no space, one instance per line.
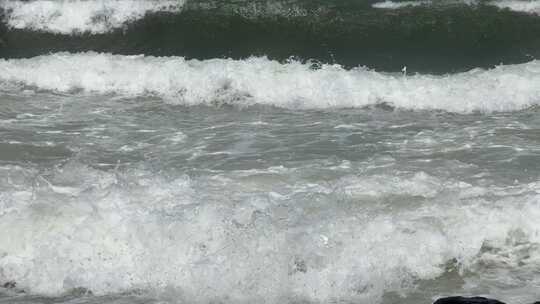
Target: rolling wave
432,38
71,17
101,16
525,6
263,81
532,7
203,239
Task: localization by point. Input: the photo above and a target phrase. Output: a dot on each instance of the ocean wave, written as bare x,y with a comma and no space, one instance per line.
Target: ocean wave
267,82
428,38
102,16
205,238
532,6
527,6
80,16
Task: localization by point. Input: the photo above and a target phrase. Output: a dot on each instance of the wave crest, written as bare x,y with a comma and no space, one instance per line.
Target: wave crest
74,16
258,80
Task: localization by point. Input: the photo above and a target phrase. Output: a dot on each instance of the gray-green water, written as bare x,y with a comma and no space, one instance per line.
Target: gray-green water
140,201
394,158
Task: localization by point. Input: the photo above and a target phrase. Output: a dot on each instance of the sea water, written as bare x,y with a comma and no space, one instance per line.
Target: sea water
141,164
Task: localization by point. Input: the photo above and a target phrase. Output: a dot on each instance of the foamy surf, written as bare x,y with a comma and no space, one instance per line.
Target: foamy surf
80,16
397,5
134,197
206,238
532,6
216,168
266,82
526,6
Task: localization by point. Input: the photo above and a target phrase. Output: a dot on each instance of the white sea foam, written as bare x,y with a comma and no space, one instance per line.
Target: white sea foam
78,16
532,6
527,6
397,5
221,238
263,81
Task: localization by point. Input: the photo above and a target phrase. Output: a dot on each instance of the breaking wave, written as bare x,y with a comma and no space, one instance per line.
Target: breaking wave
266,82
526,6
79,16
427,36
204,239
532,7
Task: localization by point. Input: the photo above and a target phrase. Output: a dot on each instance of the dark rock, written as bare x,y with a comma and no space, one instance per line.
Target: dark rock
10,285
464,300
80,292
300,265
385,106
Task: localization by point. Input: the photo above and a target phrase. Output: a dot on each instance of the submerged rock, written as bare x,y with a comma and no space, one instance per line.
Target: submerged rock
464,300
12,287
81,291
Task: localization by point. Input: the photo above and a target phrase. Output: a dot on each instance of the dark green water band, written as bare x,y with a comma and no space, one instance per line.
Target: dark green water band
426,39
